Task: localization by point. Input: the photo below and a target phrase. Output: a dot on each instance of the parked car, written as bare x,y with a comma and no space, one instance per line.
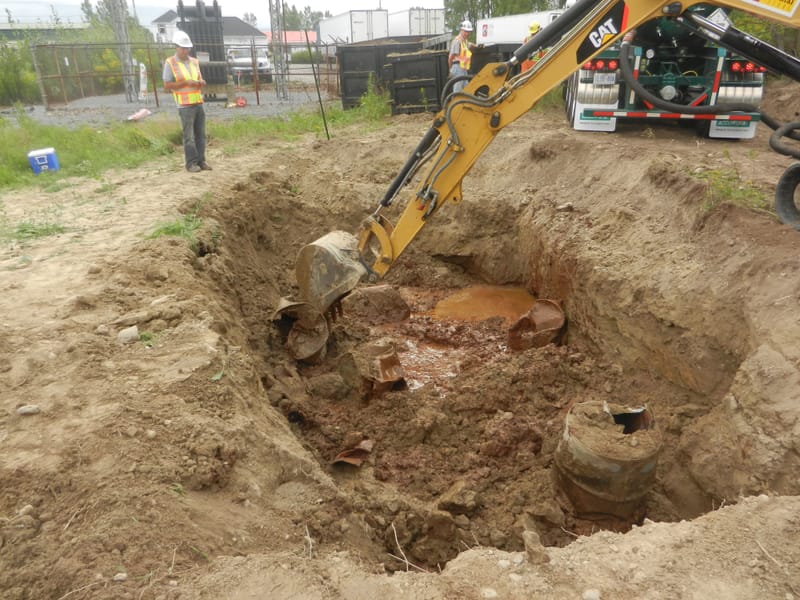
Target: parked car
240,62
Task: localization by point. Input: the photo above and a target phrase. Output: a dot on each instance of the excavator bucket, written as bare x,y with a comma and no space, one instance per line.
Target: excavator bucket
328,269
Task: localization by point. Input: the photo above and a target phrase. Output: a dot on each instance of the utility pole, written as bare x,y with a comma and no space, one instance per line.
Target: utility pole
279,50
119,21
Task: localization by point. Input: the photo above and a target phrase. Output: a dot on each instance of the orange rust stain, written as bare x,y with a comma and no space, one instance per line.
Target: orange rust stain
481,302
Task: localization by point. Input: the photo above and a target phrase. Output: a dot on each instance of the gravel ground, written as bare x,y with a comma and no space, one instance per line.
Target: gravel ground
101,110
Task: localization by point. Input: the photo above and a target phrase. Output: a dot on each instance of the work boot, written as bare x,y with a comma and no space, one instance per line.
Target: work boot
205,166
194,168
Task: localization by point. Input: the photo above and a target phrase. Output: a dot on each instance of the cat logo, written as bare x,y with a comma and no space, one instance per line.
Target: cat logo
602,33
610,25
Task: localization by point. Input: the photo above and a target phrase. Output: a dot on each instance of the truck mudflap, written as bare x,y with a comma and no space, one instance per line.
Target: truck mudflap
729,126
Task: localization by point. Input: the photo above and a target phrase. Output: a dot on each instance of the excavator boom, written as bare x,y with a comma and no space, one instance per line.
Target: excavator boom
469,120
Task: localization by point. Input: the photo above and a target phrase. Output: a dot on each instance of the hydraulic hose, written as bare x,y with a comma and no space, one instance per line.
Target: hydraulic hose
400,180
785,205
786,130
554,31
658,102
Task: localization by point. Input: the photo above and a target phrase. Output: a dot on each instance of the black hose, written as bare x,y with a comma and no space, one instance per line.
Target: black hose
785,131
448,86
784,197
785,206
400,179
781,130
658,102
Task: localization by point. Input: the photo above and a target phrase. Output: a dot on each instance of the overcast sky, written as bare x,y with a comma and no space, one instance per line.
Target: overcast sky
147,10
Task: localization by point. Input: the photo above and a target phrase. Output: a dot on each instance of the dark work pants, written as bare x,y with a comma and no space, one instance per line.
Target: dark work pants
193,122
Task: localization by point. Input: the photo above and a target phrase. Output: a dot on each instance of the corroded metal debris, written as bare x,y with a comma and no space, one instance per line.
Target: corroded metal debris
541,325
606,459
309,331
356,455
372,369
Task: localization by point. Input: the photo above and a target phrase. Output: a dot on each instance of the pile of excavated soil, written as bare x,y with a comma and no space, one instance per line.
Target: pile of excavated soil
192,457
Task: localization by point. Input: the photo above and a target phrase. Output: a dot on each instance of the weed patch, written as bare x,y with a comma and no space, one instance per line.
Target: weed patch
726,185
32,227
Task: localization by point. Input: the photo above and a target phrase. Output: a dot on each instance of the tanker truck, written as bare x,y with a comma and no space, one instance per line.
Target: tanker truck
671,61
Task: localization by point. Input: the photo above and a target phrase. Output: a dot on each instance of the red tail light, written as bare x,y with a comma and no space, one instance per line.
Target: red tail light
736,67
749,67
612,65
762,69
600,64
587,66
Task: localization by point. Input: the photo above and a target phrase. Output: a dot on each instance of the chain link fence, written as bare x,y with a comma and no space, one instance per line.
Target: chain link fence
67,72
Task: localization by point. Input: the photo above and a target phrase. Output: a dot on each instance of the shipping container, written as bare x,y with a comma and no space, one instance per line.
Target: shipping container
354,26
364,60
511,29
417,21
416,80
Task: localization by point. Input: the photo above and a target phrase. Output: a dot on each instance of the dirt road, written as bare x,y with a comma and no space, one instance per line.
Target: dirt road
192,457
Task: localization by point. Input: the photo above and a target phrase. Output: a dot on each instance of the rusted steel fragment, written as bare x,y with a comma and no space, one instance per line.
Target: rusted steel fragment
309,332
541,325
356,455
372,369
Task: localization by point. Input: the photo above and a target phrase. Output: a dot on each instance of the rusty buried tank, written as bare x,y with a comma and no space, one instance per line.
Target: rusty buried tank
606,459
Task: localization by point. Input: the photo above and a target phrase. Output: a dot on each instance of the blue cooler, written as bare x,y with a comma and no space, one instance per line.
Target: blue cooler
43,160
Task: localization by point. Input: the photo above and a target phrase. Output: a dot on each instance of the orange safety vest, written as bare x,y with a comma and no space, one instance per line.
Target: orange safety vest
465,56
533,59
185,96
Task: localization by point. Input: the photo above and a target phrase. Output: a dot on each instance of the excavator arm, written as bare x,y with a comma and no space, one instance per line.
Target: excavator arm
468,122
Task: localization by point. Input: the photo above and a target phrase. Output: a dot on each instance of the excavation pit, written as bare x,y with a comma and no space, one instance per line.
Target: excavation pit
465,452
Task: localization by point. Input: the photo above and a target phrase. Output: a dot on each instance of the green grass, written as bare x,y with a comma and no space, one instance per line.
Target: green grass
30,231
86,151
552,100
32,226
185,226
147,338
375,102
92,151
728,185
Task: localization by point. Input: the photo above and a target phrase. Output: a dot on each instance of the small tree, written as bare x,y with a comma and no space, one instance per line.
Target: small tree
17,79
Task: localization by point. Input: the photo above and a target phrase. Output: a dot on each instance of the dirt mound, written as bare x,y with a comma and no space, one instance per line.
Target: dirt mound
136,460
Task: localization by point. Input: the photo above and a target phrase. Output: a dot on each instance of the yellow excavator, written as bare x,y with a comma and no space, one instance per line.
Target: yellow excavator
332,266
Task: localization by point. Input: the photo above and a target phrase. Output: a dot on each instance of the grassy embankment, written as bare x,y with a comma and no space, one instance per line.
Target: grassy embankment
91,151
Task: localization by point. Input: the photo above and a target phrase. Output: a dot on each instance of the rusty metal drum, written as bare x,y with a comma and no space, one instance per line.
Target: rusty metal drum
606,459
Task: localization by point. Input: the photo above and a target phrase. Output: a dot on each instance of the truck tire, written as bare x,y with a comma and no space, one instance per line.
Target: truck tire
570,90
703,128
785,204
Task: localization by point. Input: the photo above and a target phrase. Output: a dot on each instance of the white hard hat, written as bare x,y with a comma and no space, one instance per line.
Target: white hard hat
466,25
182,39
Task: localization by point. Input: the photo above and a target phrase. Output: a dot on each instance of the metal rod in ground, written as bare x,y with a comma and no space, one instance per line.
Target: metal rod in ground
316,83
254,65
39,80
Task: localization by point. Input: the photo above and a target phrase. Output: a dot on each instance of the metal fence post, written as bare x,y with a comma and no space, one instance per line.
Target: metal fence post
39,79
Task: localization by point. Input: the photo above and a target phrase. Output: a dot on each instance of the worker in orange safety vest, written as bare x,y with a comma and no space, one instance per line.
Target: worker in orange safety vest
460,58
528,63
183,78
